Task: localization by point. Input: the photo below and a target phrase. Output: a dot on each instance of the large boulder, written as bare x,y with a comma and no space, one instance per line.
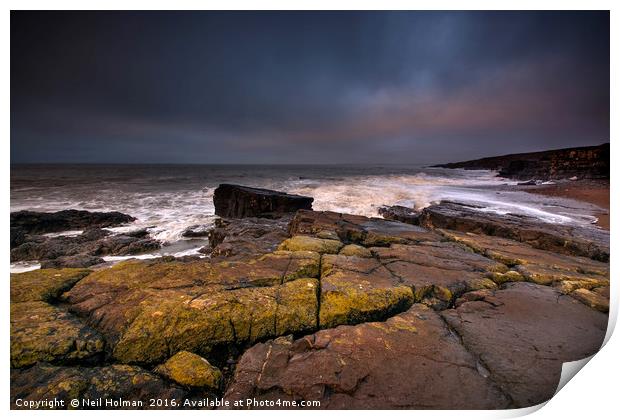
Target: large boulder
524,333
32,222
237,201
410,361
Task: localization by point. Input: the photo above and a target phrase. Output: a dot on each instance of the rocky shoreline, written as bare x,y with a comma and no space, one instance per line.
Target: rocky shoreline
453,309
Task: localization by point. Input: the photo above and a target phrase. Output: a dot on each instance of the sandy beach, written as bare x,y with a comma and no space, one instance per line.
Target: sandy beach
590,191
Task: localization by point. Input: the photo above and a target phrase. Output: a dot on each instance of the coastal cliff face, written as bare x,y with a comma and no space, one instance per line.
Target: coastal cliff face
583,162
459,312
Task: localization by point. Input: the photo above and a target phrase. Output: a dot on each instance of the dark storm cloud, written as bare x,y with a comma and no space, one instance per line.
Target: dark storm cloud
304,87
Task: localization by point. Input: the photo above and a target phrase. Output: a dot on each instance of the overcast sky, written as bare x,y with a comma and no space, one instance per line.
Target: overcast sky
305,87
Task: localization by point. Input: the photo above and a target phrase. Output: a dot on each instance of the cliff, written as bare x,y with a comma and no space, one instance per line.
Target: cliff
591,162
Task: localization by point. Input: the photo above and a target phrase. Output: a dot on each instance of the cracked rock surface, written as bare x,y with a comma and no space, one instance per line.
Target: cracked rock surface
524,333
410,361
352,311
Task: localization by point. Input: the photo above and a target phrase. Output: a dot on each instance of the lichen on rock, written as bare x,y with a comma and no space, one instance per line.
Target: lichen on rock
189,369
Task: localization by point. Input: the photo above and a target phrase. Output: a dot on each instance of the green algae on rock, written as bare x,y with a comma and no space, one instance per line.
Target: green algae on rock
353,250
176,321
309,243
45,285
42,332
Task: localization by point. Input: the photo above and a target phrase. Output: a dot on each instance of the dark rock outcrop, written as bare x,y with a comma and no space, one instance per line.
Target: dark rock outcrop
240,238
82,250
566,239
237,201
400,214
73,261
32,222
590,162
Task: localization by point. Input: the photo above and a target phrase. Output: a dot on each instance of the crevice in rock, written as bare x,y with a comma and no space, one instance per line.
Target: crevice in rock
491,376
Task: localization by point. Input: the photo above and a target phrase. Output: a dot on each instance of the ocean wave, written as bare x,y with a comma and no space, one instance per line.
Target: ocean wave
168,207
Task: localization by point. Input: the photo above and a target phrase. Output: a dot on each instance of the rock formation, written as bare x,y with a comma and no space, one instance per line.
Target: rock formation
348,311
237,201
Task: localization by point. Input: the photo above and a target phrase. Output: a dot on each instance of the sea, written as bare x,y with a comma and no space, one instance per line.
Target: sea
168,199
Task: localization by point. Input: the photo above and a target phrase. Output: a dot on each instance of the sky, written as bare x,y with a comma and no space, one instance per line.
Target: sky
304,87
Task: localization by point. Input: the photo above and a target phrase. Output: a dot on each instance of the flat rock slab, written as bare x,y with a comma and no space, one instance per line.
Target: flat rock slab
360,230
44,285
438,271
115,382
410,361
238,201
42,332
357,289
565,239
535,265
523,334
149,310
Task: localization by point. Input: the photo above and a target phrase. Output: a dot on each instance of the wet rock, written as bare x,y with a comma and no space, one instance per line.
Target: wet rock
125,245
73,261
309,243
400,214
196,232
523,333
92,242
410,361
32,222
593,300
353,250
42,332
565,239
189,369
45,285
242,238
237,201
18,237
115,382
